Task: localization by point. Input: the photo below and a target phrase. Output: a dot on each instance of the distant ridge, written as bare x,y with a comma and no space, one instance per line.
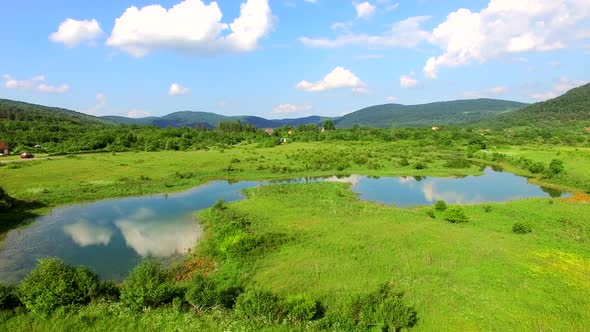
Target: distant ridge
439,113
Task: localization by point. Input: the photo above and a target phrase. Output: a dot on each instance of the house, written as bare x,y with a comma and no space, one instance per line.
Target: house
3,149
436,128
290,132
269,131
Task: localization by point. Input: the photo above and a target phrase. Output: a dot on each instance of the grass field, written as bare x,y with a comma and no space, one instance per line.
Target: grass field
476,276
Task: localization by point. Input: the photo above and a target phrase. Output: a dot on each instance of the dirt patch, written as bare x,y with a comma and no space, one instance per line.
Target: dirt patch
579,198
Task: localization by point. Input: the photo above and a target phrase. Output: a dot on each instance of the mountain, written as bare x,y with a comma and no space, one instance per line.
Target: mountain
21,111
573,106
210,120
424,115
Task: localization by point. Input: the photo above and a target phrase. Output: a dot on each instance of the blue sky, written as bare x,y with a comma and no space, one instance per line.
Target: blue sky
288,58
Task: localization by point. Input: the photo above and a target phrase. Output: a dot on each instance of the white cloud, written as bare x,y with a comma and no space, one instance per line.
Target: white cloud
391,99
562,86
408,81
138,114
337,78
86,234
505,27
498,90
72,32
101,102
191,27
290,108
361,89
36,83
177,90
311,1
407,33
365,10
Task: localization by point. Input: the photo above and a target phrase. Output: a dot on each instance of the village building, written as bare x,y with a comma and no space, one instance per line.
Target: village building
269,131
3,149
436,128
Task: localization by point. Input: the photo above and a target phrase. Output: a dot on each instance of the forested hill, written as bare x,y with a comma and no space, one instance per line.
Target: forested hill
425,115
210,120
565,110
21,111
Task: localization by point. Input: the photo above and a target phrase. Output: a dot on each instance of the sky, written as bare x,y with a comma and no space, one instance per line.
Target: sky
287,58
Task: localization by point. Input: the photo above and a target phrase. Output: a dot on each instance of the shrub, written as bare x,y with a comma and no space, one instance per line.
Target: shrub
201,293
8,299
302,308
420,165
487,208
147,286
385,309
455,215
521,228
404,162
6,201
258,303
430,213
219,205
537,167
440,205
556,167
457,163
53,284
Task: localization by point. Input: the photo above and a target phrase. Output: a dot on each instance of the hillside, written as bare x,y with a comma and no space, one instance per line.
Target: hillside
21,111
565,110
439,113
210,120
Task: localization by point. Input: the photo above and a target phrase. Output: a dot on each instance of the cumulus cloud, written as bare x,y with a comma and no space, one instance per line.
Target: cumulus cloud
365,10
72,32
138,114
177,90
407,33
505,27
190,27
408,81
391,99
36,83
101,102
290,108
337,78
86,234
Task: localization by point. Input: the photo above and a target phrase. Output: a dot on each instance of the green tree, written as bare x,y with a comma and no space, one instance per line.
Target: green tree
329,125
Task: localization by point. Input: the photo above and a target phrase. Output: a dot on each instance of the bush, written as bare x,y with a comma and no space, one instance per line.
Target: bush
555,167
257,303
537,167
6,201
53,284
385,309
430,213
440,205
420,165
457,163
302,308
147,286
404,162
487,208
202,293
8,299
455,215
521,228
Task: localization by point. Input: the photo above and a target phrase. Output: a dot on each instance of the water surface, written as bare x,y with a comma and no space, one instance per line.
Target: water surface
112,236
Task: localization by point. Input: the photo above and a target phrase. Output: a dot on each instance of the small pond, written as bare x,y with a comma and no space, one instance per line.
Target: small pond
111,236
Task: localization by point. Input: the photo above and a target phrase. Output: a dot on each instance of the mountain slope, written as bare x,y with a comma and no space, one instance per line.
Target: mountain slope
439,113
21,111
573,106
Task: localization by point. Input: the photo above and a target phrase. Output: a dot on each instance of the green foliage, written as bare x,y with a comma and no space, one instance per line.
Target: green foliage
521,228
556,167
147,285
404,162
487,208
302,308
53,284
202,292
537,167
455,215
384,308
328,124
8,298
420,165
6,202
440,205
431,213
262,304
457,163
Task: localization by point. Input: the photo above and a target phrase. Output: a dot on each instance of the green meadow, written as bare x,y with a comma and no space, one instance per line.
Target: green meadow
474,276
